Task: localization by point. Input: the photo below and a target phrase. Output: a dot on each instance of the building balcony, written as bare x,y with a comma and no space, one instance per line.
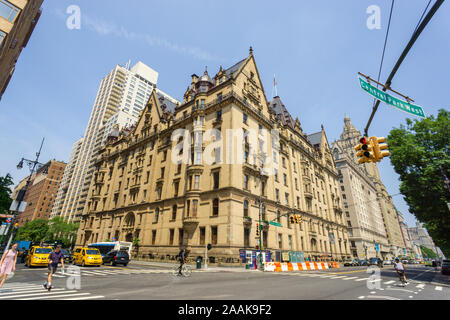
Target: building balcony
135,186
247,221
337,209
308,194
190,223
306,178
195,168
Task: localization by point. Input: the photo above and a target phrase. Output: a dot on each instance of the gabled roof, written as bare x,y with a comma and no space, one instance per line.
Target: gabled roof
170,106
234,68
281,112
315,138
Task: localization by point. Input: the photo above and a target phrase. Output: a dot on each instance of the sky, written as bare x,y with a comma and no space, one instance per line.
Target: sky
314,48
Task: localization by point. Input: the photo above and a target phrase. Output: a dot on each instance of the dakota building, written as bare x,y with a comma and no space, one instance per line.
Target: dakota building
139,192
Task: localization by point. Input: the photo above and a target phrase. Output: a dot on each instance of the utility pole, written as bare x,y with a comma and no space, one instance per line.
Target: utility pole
34,166
413,39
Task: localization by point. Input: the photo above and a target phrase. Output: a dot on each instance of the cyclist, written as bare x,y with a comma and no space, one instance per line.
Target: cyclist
182,256
400,270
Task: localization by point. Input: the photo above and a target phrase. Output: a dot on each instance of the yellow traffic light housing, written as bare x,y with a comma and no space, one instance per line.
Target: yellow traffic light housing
378,146
257,229
365,150
292,219
299,219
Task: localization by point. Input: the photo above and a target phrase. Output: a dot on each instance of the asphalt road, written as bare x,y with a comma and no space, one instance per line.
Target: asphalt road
138,281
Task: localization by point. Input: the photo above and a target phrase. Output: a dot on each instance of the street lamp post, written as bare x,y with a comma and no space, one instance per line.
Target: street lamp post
34,166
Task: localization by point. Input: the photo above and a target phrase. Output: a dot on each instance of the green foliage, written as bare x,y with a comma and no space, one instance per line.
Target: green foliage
55,229
35,230
419,152
427,253
136,242
5,192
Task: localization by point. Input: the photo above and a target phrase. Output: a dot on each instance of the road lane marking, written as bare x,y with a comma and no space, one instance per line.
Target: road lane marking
362,279
389,282
382,297
85,298
420,286
15,295
56,297
363,270
339,277
350,278
439,288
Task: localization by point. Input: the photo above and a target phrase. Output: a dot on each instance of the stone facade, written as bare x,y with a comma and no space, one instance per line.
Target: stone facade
18,19
142,190
362,212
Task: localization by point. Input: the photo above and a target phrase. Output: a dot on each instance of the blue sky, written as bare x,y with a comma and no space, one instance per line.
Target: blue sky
315,48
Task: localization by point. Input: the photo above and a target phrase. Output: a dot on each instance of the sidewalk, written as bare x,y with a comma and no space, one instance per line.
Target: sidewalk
193,265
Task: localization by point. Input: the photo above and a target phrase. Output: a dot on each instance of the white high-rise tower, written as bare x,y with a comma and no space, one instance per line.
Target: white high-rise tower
123,91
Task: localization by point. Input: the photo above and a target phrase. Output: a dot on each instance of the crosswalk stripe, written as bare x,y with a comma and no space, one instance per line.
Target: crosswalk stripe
34,294
22,287
389,282
20,290
439,288
338,277
420,286
56,297
350,278
362,279
85,298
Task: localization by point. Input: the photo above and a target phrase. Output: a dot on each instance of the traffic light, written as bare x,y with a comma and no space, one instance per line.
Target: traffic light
299,219
365,150
292,219
257,229
378,146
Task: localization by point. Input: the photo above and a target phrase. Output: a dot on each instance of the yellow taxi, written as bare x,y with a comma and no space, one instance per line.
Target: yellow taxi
87,257
38,256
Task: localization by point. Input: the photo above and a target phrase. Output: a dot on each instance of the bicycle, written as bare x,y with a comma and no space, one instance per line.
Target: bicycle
186,270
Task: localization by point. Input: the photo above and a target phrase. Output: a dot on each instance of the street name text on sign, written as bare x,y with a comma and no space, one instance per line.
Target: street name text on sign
390,100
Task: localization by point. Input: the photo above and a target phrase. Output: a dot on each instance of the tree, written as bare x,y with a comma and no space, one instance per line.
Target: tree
420,155
60,230
5,192
35,230
427,253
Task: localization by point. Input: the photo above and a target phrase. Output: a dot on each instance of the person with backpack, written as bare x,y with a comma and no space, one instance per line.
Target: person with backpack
8,263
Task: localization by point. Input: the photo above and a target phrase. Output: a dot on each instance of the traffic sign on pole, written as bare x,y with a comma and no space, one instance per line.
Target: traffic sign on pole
390,100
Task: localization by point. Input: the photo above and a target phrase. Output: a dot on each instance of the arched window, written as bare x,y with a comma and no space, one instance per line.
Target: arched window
156,214
245,208
129,220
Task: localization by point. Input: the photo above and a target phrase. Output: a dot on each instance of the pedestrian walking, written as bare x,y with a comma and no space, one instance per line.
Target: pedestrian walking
53,259
8,263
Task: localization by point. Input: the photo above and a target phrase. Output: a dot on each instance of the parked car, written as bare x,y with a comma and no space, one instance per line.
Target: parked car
375,262
116,257
352,263
445,268
363,262
388,262
68,256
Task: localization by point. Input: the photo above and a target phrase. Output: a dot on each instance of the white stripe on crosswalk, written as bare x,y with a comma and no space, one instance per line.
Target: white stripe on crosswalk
56,297
20,290
338,277
362,279
389,282
85,298
350,278
438,288
420,286
20,295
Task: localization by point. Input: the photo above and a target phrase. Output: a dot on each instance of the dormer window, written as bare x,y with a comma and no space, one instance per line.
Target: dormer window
203,88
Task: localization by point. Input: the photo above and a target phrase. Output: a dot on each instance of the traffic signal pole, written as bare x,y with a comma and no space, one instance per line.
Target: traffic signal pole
411,42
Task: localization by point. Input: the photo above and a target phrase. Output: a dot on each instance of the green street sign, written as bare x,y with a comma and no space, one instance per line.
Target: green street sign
390,100
275,223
